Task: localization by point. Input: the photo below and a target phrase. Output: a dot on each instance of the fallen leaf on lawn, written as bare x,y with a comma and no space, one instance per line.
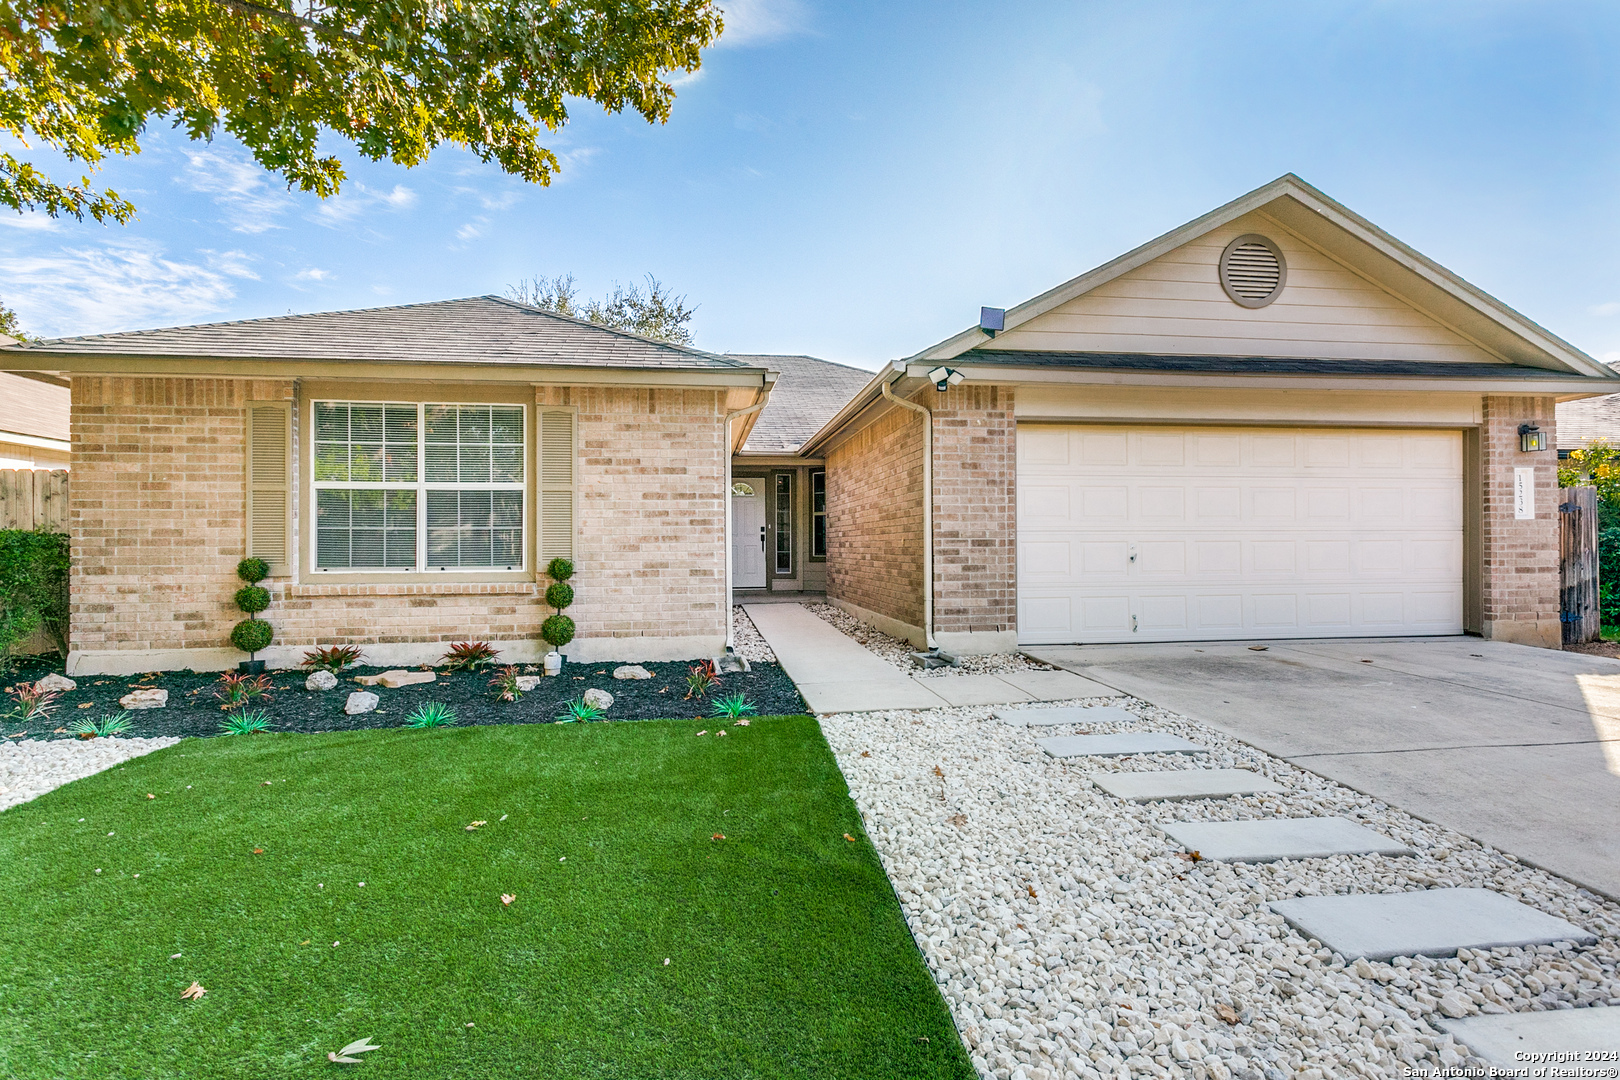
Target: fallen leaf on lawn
741,723
304,942
507,898
192,992
475,825
265,784
720,732
704,732
174,956
503,817
718,836
1032,894
848,837
1227,1013
346,1056
149,795
335,944
958,820
258,851
666,961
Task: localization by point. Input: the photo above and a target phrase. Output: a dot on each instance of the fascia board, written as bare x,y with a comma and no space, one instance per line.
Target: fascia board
872,391
1578,386
17,438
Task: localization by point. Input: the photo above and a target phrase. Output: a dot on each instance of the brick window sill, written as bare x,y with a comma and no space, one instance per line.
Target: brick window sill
448,588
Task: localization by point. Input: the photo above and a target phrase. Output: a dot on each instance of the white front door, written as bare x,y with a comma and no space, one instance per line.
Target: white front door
1199,534
748,534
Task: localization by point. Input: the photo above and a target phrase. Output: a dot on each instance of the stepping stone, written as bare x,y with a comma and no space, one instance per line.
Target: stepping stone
1146,742
1056,685
1280,838
1500,1039
1176,784
1435,922
974,690
1101,714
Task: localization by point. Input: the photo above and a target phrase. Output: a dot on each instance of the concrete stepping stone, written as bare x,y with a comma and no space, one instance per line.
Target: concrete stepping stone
1280,838
1056,685
1175,784
1434,922
1145,742
1501,1039
1100,714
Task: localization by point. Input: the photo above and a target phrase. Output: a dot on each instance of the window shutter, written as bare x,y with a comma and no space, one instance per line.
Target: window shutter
556,485
269,444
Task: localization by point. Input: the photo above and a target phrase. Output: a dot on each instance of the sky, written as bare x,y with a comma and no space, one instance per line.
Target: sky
854,180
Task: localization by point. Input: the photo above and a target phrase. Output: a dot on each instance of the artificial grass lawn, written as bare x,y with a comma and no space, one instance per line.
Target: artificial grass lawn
788,954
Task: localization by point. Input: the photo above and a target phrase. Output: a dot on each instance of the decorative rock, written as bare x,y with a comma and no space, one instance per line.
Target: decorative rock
145,698
633,671
600,698
56,682
361,701
397,678
526,683
320,680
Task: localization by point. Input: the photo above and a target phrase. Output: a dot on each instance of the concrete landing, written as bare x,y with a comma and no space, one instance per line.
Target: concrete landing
1501,1039
1177,784
1146,742
1099,714
1435,922
1280,838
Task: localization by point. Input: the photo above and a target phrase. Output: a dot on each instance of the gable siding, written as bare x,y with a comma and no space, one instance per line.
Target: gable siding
1175,305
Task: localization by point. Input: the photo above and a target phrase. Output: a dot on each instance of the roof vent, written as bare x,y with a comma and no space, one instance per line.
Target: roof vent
1253,272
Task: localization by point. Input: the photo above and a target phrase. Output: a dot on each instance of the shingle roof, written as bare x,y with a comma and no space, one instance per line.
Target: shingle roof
472,330
1580,422
807,393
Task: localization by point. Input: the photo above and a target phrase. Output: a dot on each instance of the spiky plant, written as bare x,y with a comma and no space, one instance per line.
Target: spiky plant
235,691
580,710
247,722
700,679
469,656
32,702
431,714
505,683
106,727
733,706
333,658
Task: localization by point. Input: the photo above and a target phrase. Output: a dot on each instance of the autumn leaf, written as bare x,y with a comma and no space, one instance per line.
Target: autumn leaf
1032,893
938,771
475,825
866,753
149,795
740,723
718,836
848,837
1190,856
192,992
346,1056
258,851
704,732
958,820
507,898
1226,1013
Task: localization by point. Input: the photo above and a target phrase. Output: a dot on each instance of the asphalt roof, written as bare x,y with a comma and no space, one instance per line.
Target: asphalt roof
471,330
806,395
1580,422
1255,365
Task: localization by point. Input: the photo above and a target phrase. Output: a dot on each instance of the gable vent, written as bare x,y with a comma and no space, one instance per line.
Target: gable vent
1253,272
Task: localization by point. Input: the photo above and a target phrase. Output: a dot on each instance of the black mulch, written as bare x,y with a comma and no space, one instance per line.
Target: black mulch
193,709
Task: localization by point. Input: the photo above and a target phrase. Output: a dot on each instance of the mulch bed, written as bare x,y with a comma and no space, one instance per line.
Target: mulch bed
193,709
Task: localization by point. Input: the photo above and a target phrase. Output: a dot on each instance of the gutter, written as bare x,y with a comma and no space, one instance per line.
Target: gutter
731,633
927,512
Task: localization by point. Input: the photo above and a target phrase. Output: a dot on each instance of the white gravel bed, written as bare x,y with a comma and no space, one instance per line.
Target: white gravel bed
747,641
899,652
1072,938
31,767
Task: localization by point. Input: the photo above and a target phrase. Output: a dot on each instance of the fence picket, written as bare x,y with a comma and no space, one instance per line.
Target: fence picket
1578,566
33,498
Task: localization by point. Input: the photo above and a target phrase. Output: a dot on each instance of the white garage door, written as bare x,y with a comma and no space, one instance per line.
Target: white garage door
1202,534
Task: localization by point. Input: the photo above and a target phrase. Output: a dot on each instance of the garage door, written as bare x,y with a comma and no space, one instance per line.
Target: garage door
1202,534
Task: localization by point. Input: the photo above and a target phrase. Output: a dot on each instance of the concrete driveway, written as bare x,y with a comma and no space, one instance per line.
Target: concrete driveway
1516,747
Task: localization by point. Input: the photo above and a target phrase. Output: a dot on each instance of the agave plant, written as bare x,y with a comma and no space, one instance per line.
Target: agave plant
235,691
32,703
431,714
106,727
247,722
700,678
579,709
505,683
733,706
333,658
469,656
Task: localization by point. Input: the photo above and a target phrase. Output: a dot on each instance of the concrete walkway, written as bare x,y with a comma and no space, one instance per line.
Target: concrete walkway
835,673
1516,747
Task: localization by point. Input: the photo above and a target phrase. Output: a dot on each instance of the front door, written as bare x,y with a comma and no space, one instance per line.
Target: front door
748,534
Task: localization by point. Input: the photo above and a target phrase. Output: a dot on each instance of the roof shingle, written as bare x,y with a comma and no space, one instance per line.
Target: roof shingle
807,394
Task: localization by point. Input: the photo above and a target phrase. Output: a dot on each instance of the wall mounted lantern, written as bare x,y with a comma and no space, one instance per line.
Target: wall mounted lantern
1531,438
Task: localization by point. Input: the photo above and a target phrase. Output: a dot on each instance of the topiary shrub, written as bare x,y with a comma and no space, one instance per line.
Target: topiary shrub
252,634
558,629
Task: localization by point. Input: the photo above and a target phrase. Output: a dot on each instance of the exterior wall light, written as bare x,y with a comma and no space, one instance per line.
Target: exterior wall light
1531,438
944,378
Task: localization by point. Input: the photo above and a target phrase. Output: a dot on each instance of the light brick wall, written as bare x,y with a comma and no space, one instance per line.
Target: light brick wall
874,518
975,509
1519,559
157,512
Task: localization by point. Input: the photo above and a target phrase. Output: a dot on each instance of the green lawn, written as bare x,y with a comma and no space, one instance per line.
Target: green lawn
788,955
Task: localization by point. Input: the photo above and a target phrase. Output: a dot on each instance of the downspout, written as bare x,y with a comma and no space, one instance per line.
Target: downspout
731,633
927,512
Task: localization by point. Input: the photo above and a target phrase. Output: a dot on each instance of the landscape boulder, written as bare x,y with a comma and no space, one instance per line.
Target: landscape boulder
631,671
600,698
320,680
397,678
526,683
361,701
56,682
145,698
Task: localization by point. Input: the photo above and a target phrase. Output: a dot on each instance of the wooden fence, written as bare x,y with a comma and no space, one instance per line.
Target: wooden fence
1578,565
34,499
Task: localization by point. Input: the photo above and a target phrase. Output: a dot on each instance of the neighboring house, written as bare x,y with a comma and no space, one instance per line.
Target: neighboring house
1276,421
1581,423
408,472
779,499
33,422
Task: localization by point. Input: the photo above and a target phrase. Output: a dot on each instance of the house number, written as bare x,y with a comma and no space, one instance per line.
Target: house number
1524,493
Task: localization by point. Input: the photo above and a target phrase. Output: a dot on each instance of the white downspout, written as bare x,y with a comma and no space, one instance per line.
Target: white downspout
731,633
927,512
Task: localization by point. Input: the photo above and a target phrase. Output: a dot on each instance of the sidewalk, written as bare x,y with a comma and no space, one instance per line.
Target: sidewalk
837,674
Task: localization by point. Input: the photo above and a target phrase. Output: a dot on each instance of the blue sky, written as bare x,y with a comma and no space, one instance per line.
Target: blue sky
854,180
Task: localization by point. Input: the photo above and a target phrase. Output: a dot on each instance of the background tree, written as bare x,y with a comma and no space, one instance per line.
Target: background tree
656,313
396,78
11,325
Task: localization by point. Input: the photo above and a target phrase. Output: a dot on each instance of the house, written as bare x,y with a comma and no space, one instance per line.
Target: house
779,497
1581,423
407,472
1276,421
33,422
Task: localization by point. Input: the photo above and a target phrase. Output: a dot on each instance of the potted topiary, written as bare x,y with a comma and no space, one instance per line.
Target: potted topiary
252,633
558,629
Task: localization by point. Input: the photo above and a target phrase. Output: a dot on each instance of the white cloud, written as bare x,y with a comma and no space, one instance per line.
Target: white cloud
499,200
313,274
470,231
110,288
249,196
231,263
33,222
359,199
751,22
1605,310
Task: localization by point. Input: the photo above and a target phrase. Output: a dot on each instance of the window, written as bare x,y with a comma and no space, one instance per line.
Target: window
784,523
419,487
818,515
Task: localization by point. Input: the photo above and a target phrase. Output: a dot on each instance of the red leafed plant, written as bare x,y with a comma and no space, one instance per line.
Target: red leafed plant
235,691
333,658
700,679
469,656
32,702
505,683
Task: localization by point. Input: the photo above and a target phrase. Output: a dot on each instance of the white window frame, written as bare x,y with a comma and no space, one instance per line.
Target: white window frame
421,487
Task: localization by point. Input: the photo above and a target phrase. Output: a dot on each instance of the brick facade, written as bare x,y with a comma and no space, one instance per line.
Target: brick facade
975,510
157,513
1519,595
874,520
